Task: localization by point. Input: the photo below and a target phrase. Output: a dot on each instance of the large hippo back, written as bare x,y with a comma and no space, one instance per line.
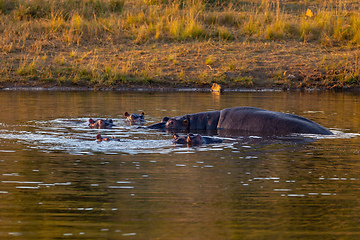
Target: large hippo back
259,120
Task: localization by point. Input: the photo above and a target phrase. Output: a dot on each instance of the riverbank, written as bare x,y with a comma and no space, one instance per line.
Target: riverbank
48,49
235,65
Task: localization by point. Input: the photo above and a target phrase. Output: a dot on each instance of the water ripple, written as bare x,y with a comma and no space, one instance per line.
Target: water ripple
73,136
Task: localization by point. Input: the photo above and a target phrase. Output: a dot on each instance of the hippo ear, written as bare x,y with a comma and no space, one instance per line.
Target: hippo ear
175,136
165,119
126,114
185,123
98,137
91,120
142,113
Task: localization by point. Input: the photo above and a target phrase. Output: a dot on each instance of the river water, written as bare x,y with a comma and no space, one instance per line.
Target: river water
57,182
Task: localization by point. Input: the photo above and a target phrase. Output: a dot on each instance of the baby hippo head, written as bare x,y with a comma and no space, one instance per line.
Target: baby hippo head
194,139
100,124
134,118
179,140
177,123
99,138
190,139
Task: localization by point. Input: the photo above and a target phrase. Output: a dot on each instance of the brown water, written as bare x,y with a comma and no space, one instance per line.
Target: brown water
56,182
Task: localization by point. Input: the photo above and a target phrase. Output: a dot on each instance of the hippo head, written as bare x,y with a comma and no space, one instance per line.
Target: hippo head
179,140
134,118
178,123
194,139
190,139
98,137
101,124
93,124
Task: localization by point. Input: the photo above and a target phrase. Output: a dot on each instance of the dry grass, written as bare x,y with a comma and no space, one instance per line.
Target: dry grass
259,43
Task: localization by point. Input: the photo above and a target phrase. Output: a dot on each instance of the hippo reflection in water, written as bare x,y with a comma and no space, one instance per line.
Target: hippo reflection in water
244,119
101,123
194,139
134,118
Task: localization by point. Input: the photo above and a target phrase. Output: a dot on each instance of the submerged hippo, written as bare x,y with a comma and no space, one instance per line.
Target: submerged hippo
244,119
99,138
159,125
101,123
194,139
134,118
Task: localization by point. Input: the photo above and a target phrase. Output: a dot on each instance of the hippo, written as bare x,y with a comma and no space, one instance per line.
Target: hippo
101,123
100,139
194,139
134,118
159,125
244,120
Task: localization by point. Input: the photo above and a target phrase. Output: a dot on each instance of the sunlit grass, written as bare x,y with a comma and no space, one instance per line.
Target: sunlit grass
209,61
244,81
74,21
27,66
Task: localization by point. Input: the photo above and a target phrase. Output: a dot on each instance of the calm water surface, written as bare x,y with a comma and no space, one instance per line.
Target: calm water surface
57,182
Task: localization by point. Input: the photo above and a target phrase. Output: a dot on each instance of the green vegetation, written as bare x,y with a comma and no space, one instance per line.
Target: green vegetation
102,42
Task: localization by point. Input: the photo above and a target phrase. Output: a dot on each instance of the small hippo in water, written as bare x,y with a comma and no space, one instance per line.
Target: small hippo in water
194,139
134,118
100,139
245,120
100,123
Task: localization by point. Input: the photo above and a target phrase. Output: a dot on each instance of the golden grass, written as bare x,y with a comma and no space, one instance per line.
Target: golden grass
75,21
83,41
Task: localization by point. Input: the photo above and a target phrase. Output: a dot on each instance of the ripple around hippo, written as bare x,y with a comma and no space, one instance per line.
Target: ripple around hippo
75,137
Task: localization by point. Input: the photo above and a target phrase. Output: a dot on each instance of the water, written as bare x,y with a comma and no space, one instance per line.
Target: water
57,182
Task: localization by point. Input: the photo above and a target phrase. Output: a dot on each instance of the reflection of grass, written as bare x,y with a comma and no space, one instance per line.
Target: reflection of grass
71,26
